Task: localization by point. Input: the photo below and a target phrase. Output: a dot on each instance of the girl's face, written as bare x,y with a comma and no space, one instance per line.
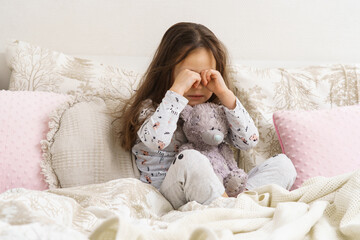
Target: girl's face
198,60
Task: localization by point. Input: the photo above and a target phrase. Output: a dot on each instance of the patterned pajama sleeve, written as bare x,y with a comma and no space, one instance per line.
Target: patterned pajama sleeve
243,132
157,130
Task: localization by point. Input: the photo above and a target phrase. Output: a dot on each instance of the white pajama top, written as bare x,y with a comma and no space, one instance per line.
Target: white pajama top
161,135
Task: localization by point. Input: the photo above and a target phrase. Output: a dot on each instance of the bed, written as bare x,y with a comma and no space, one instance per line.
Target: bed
63,174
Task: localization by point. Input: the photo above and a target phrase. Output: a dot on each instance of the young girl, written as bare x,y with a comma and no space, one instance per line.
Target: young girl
189,67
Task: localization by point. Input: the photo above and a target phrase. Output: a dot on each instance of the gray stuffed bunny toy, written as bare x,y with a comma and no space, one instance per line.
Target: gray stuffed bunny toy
206,127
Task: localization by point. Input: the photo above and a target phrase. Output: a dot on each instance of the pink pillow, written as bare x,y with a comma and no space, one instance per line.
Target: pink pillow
24,117
320,142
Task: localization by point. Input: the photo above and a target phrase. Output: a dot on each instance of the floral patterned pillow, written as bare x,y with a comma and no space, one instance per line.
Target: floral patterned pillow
264,91
35,68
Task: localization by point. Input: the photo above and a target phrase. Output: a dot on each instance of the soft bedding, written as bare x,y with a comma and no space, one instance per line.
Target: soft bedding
323,208
125,208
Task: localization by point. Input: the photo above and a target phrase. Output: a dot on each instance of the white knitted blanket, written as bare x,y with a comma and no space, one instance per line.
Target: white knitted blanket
323,208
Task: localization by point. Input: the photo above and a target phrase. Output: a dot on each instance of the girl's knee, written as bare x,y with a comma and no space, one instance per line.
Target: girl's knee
191,158
285,167
189,178
282,160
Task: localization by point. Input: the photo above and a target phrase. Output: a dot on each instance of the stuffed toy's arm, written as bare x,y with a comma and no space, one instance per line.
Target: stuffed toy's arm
186,146
229,156
243,133
157,130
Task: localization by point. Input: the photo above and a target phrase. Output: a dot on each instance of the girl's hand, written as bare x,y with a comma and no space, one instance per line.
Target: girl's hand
213,81
185,80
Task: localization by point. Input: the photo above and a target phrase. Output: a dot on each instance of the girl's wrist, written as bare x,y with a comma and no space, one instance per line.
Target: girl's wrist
228,99
177,90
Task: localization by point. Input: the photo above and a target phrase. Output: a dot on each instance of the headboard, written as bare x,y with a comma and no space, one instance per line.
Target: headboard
127,32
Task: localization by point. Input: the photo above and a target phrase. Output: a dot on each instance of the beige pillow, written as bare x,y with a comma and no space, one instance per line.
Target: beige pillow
263,91
81,146
34,68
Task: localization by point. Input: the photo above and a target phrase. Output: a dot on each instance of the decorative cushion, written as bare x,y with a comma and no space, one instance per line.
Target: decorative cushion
35,68
81,146
24,117
320,142
264,91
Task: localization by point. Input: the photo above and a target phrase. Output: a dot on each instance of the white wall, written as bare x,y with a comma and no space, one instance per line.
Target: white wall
253,30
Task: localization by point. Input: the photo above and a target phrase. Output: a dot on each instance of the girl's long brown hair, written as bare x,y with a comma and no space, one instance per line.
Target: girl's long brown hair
178,41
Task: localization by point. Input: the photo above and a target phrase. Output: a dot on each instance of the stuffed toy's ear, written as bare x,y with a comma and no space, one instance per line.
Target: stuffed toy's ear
185,114
218,109
221,107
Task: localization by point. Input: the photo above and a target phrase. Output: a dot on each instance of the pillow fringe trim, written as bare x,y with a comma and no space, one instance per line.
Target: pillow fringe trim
54,124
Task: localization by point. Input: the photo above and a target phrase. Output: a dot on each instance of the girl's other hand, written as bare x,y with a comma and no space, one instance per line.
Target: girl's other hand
213,80
185,80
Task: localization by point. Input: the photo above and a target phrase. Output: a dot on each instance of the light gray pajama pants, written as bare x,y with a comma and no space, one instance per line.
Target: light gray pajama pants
192,178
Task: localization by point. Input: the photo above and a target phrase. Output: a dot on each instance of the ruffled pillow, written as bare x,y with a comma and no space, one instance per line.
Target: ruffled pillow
81,146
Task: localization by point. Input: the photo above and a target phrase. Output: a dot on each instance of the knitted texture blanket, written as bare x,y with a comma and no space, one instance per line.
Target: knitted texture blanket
323,208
